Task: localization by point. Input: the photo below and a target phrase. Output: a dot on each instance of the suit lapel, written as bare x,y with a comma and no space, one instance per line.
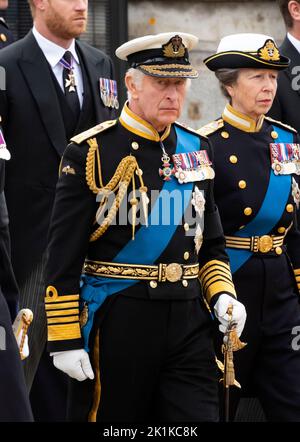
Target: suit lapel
288,49
35,69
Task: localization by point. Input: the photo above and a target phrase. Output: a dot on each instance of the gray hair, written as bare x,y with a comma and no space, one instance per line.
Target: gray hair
137,77
226,77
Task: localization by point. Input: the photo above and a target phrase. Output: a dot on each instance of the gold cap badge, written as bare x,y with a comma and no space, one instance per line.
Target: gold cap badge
269,51
174,48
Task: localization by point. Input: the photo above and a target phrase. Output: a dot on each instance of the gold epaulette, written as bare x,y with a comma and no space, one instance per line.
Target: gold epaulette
211,127
189,129
90,133
286,126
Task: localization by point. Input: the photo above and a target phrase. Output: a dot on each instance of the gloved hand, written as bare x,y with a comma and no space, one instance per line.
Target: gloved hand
76,363
238,313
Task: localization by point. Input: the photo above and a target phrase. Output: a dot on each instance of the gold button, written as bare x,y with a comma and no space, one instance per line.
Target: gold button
185,283
240,228
274,134
135,145
290,208
247,211
186,227
186,255
139,172
153,284
233,159
281,229
278,250
242,184
3,37
224,134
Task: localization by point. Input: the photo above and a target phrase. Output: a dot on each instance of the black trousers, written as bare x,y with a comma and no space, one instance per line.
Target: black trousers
157,363
269,367
14,400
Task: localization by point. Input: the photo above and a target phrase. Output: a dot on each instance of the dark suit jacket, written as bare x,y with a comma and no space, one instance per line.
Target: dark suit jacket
35,135
287,101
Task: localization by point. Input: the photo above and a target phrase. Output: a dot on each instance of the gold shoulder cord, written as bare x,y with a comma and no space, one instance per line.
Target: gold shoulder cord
119,183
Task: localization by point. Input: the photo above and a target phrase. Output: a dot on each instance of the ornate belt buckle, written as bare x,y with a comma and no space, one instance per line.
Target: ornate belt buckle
265,243
173,272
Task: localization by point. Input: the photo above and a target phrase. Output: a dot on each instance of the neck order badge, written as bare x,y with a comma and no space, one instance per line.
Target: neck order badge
70,83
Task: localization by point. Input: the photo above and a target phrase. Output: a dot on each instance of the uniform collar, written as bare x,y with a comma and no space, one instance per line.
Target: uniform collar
241,121
52,51
140,127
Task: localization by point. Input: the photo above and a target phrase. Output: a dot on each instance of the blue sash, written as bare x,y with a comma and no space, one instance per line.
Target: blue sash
149,243
270,211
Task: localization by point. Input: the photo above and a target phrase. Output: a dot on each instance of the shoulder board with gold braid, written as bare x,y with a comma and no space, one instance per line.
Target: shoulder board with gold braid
189,129
211,127
286,126
90,133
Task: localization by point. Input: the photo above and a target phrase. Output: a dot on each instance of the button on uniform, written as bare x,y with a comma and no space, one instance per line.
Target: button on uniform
274,134
233,159
135,145
281,229
289,208
224,134
186,227
242,184
248,211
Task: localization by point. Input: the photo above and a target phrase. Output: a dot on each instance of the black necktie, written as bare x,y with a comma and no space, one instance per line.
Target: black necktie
69,84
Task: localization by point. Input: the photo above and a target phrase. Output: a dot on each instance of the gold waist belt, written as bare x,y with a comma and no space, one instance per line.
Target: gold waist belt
161,272
263,244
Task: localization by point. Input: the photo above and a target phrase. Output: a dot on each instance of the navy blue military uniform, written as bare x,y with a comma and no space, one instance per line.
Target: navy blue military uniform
6,35
14,401
155,358
265,263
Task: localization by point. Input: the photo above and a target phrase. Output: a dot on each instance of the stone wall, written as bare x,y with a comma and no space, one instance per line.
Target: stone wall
209,20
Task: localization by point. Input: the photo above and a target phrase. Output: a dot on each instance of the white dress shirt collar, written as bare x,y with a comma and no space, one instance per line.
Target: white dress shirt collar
52,51
295,42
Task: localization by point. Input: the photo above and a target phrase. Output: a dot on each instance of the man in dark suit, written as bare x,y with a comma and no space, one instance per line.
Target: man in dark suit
287,99
6,36
56,87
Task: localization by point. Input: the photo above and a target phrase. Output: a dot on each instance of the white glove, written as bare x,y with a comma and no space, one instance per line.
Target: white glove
238,313
76,363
